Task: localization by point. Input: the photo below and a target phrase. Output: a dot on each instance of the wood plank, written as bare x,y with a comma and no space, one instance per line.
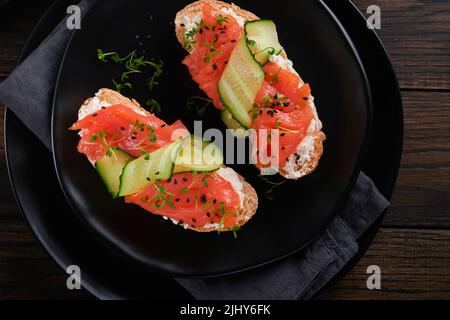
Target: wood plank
415,264
17,21
422,195
416,33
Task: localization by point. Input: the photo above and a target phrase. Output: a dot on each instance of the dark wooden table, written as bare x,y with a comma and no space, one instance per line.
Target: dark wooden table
412,247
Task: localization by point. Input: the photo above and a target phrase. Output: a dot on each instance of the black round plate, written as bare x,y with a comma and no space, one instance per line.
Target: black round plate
302,209
51,219
105,275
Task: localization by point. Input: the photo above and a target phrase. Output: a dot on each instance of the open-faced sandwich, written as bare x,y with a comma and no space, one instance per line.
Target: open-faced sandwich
161,167
236,59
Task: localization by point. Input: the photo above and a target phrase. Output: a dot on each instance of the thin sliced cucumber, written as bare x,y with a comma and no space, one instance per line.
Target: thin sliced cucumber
198,155
240,83
236,129
263,38
148,169
110,168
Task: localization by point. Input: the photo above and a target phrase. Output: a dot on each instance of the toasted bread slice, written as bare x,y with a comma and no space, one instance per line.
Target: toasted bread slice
306,158
106,97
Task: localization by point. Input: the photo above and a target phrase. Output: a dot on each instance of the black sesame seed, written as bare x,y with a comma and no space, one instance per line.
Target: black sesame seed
286,104
184,179
305,98
94,115
233,41
282,148
133,138
177,200
203,198
193,220
163,125
175,181
182,25
103,108
214,66
215,201
187,200
122,128
283,134
148,179
208,214
287,159
169,180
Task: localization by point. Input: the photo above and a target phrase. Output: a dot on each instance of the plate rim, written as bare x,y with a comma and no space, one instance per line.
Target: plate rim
203,275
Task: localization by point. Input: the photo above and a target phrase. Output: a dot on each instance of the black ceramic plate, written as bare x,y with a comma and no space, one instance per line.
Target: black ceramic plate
51,219
106,275
326,58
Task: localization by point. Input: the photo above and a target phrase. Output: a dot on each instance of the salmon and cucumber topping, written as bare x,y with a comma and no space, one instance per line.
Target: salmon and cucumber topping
237,60
161,167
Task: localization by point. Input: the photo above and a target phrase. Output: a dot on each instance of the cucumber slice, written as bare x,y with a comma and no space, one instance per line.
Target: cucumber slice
236,128
110,168
240,83
198,155
264,39
149,168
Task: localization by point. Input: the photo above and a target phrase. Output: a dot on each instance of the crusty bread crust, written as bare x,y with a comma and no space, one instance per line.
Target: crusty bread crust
195,9
245,213
250,203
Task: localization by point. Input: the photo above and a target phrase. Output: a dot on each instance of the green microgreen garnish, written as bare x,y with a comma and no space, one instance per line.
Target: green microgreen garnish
163,197
198,105
251,43
204,179
235,230
270,51
154,106
133,64
212,53
184,190
190,35
277,124
221,19
274,186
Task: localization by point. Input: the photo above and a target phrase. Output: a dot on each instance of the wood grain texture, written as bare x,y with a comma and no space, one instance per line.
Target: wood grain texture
416,33
415,264
422,195
413,246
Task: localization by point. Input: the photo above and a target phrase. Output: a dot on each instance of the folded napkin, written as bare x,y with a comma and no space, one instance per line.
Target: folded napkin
28,92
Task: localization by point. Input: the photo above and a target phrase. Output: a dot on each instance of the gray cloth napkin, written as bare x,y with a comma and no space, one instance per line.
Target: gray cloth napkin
28,92
302,275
